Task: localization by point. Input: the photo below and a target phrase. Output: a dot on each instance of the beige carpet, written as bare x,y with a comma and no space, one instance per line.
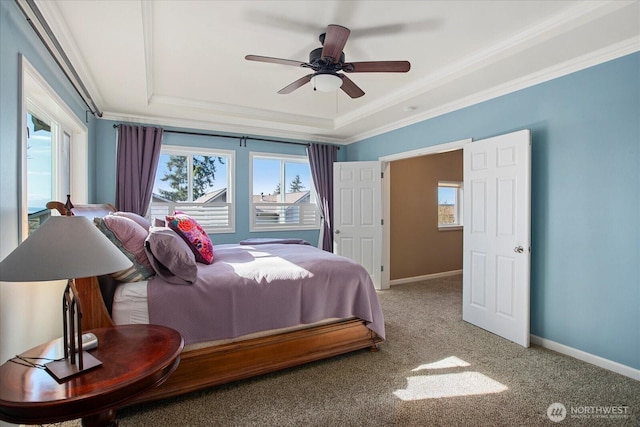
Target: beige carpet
433,370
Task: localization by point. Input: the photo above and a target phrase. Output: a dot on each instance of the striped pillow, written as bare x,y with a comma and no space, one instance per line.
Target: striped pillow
129,237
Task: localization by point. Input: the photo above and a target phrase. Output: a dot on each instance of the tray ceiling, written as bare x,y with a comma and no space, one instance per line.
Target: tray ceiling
181,63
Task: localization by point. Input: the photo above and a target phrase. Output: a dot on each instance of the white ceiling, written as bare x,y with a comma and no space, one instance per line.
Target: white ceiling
181,63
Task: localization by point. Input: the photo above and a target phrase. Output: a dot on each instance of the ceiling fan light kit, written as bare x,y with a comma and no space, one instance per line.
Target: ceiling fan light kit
326,82
328,60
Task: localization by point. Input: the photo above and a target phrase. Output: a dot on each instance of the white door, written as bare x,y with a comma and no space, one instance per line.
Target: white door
496,236
357,198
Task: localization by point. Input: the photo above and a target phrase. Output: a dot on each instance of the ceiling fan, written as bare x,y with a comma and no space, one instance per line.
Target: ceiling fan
328,60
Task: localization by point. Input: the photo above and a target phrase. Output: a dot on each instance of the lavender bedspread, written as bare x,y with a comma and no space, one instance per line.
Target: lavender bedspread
250,289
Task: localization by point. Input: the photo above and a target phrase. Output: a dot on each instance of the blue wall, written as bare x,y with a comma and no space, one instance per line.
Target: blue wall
585,277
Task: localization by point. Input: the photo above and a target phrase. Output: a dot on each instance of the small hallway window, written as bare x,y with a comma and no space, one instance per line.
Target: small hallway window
449,205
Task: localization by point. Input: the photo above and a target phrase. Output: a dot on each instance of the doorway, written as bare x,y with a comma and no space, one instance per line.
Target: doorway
426,231
388,200
496,237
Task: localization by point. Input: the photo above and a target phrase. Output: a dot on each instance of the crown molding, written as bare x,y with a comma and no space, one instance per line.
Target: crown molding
243,129
586,61
147,40
52,15
578,15
609,53
244,113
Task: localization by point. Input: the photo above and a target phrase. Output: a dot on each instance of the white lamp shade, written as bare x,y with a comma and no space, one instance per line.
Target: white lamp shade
326,82
64,247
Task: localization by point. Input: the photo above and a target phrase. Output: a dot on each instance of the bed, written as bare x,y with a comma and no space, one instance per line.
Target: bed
349,318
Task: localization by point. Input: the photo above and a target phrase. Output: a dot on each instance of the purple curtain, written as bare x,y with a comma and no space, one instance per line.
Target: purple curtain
321,160
137,161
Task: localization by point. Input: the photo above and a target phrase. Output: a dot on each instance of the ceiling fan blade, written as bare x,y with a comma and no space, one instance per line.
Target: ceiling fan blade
377,67
275,60
295,85
334,40
350,88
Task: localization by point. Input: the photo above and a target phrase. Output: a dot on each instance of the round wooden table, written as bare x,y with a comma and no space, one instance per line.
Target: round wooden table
134,358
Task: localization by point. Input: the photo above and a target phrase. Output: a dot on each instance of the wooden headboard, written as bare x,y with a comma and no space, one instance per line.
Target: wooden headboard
96,293
91,210
93,296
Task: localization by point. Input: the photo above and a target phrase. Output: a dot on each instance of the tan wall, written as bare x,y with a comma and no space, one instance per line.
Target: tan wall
417,246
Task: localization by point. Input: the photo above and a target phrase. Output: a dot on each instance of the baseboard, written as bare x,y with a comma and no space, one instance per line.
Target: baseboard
601,362
425,277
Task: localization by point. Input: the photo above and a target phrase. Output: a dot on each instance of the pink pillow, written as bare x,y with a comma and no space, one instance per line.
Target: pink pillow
129,237
195,236
139,219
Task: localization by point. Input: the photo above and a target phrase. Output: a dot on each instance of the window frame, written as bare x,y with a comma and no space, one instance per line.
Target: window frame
458,224
306,209
202,211
37,97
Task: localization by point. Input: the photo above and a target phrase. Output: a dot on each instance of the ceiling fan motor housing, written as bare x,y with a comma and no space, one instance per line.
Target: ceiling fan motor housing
315,59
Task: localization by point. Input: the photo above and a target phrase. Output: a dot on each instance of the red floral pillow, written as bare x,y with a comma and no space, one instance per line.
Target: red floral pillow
192,233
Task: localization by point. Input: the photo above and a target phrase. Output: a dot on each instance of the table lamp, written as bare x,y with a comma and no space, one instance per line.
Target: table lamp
65,247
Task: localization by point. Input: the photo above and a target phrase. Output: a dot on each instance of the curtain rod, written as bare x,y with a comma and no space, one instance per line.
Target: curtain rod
243,139
57,53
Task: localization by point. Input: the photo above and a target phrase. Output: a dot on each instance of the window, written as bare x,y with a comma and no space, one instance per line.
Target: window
53,137
198,182
282,193
39,162
449,205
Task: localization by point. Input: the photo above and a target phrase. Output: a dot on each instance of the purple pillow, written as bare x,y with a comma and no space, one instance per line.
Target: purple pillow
129,237
195,236
170,256
139,219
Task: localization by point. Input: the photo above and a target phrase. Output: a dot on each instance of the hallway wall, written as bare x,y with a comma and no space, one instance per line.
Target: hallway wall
418,247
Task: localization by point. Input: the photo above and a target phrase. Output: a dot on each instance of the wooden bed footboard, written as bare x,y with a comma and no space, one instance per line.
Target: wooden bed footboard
216,365
222,364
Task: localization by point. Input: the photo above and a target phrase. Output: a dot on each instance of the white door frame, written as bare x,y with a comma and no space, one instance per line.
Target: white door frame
386,196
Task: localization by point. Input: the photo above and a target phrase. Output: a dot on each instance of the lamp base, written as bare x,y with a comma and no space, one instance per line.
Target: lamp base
62,370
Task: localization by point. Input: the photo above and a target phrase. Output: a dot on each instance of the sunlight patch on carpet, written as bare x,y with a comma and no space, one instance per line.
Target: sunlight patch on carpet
449,362
448,385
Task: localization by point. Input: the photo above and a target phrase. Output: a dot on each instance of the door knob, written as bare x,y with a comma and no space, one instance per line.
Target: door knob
518,249
337,232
